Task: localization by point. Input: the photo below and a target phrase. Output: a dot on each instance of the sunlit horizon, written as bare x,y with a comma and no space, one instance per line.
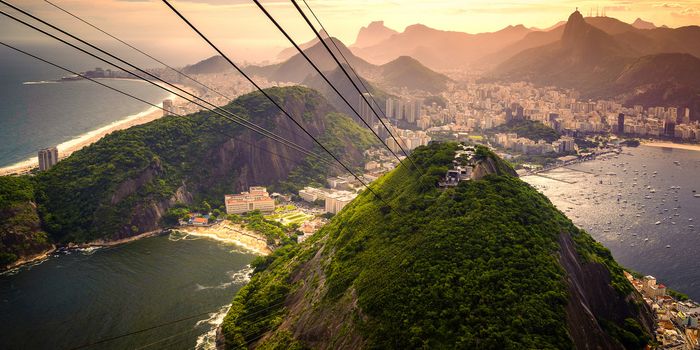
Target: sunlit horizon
240,28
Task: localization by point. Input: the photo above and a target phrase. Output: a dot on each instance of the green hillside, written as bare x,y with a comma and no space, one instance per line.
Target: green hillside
478,266
125,183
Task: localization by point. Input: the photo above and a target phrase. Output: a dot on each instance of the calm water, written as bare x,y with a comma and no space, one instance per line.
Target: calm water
36,113
645,180
75,299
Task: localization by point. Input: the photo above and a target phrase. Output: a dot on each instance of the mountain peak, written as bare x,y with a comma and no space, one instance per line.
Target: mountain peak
642,24
416,28
575,29
575,17
374,33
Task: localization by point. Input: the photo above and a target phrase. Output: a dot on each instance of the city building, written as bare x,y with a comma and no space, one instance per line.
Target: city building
168,107
48,157
311,194
621,123
256,198
365,111
336,201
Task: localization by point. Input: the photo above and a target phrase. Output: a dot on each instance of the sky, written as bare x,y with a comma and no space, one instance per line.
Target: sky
244,33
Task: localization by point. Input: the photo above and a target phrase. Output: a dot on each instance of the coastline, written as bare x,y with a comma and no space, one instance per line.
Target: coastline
65,149
100,243
664,144
230,233
36,258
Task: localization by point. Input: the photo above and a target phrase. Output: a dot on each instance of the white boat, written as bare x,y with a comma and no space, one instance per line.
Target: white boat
697,195
657,223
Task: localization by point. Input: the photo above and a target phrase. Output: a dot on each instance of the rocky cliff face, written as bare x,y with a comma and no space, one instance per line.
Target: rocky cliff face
21,235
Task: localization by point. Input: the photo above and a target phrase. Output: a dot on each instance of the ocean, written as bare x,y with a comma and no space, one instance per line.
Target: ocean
641,205
71,300
36,112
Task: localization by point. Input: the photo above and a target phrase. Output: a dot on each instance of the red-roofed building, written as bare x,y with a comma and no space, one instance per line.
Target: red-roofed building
200,221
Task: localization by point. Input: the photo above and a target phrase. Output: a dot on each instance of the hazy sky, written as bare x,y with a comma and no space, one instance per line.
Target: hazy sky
244,33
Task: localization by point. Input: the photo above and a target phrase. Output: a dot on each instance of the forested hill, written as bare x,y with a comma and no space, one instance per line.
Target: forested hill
489,264
125,183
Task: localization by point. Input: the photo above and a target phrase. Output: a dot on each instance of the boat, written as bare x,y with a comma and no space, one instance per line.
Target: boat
657,223
697,195
668,246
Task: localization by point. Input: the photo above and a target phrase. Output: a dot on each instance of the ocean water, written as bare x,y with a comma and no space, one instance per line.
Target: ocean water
76,299
619,201
36,113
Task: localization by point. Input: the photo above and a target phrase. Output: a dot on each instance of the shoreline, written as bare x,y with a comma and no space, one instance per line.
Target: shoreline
665,144
230,233
36,258
100,243
66,148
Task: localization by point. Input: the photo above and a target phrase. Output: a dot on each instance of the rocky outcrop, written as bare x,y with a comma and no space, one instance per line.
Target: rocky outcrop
491,166
21,236
592,299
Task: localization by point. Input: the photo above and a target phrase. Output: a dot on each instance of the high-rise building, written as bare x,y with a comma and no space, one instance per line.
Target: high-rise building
390,108
168,107
672,114
413,109
365,110
669,128
686,116
509,114
48,157
621,123
519,113
399,110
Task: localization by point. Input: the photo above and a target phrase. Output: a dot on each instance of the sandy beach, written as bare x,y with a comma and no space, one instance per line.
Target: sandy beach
685,146
67,148
230,233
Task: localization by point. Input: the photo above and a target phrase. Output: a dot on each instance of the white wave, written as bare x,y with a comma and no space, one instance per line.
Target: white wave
88,250
239,277
39,82
207,341
175,236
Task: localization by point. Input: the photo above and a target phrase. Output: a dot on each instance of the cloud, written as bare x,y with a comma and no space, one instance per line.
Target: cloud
617,8
669,5
687,12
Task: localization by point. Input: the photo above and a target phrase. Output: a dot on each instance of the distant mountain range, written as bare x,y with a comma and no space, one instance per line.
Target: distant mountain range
402,72
438,49
604,58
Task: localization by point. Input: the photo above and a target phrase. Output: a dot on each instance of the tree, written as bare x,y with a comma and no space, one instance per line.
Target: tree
206,207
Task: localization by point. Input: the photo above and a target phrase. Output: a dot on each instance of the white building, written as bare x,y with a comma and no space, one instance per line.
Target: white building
336,201
311,194
48,157
255,199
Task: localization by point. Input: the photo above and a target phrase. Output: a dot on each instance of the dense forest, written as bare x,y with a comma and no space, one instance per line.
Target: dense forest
125,183
530,129
474,266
